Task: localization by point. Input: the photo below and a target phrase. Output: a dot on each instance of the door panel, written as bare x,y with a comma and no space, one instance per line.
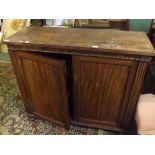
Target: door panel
44,81
101,89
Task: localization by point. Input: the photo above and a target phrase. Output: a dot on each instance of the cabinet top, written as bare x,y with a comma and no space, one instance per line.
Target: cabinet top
95,40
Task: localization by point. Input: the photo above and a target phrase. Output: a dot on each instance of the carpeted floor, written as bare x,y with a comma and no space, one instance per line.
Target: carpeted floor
13,118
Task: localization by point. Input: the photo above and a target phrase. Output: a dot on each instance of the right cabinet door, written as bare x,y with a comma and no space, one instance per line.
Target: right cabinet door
102,88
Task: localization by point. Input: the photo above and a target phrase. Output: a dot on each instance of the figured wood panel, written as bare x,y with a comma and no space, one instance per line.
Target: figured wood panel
101,89
45,85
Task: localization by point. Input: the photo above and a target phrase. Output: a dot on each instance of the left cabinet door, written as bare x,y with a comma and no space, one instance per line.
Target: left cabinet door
42,82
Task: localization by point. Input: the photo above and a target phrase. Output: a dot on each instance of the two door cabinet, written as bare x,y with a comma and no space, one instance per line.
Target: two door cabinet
88,77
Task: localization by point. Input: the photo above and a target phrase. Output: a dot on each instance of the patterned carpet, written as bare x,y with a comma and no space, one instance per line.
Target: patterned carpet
13,118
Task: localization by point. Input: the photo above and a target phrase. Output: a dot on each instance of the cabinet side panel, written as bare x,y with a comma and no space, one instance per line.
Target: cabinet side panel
134,95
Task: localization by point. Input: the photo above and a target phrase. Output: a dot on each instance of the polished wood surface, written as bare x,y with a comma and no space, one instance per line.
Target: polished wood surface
92,40
61,75
43,81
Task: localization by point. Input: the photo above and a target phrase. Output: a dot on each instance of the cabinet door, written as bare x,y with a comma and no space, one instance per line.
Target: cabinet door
101,90
42,82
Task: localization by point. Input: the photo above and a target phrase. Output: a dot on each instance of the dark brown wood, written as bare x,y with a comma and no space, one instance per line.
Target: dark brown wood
43,85
84,40
106,67
36,22
134,95
101,90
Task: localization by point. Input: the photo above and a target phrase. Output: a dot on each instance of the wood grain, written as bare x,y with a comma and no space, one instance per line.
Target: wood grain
136,43
101,89
45,84
134,95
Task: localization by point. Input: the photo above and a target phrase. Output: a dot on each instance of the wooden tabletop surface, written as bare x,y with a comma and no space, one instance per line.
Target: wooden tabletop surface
86,39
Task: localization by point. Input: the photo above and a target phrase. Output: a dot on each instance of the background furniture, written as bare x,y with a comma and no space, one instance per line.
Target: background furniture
121,24
92,76
145,114
59,22
37,22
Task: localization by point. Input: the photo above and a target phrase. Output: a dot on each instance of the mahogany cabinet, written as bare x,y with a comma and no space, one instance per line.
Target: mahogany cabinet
90,77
